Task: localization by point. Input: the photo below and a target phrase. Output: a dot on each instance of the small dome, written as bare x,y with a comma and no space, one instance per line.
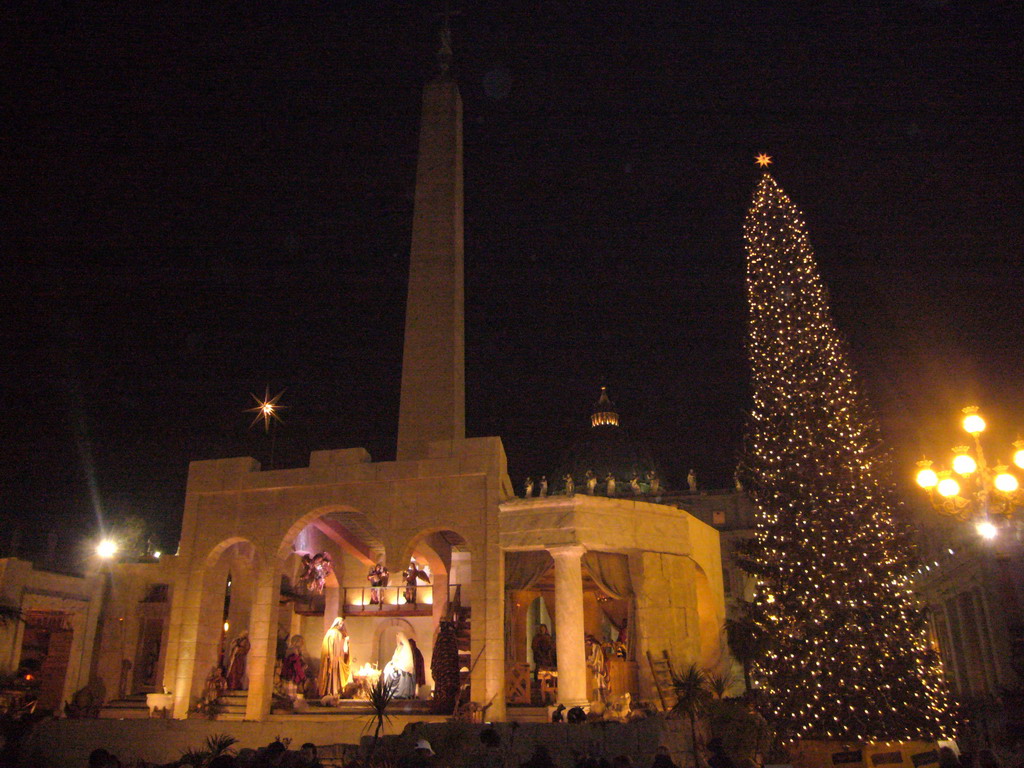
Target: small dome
604,411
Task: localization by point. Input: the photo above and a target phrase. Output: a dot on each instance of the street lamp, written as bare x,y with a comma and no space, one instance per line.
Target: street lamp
972,490
106,549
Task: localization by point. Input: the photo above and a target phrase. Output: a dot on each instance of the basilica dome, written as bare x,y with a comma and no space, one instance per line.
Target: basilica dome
606,448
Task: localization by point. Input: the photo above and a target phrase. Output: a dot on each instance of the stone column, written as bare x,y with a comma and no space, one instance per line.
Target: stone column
572,658
263,640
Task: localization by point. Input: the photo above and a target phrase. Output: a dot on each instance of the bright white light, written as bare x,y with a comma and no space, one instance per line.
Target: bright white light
986,530
1006,483
964,464
106,549
157,554
226,626
927,478
948,487
973,423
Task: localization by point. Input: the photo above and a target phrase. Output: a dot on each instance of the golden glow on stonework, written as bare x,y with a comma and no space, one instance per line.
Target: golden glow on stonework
849,656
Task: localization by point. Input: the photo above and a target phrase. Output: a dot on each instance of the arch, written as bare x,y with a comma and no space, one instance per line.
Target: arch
219,548
709,621
354,531
227,594
384,636
430,541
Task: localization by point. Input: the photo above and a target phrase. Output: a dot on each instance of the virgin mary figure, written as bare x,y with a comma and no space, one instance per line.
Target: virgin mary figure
400,672
335,672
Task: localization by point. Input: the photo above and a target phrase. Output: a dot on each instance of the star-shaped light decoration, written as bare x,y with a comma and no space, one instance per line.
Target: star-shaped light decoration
266,409
763,160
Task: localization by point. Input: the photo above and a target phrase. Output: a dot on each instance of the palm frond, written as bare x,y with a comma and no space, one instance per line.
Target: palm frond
719,683
692,690
219,743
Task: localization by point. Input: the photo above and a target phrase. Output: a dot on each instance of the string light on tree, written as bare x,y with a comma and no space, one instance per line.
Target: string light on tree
848,651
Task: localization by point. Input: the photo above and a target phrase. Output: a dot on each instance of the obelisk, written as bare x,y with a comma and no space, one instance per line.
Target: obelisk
433,398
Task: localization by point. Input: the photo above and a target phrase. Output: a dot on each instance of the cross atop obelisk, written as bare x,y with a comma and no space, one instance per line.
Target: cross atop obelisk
433,400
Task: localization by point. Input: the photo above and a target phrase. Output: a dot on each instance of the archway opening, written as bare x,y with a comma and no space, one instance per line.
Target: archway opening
228,591
325,560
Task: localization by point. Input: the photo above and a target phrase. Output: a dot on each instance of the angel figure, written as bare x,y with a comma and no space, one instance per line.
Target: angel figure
316,569
378,578
411,574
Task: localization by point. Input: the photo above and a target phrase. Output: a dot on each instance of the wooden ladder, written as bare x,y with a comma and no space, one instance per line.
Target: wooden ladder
662,672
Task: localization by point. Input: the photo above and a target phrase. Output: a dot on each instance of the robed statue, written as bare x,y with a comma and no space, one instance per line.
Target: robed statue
335,672
236,676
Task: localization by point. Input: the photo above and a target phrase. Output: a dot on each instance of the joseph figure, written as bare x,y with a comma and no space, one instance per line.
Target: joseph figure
335,672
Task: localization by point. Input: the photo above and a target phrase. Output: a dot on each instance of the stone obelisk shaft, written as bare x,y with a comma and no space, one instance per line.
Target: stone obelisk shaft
433,399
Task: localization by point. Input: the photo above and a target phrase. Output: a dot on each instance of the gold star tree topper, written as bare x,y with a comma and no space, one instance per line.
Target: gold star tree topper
266,409
763,160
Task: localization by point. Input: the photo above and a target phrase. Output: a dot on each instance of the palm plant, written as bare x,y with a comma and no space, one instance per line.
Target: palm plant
719,684
216,745
693,694
381,695
747,644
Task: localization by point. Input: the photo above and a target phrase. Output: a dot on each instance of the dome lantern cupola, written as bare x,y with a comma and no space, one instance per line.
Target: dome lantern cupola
604,412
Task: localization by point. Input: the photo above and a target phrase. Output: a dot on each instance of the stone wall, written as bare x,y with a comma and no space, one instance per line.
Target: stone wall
60,743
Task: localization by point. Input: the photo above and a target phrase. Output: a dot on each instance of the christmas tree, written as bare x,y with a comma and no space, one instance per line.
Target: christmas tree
847,652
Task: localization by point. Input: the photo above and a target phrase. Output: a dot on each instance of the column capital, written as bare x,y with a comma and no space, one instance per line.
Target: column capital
567,551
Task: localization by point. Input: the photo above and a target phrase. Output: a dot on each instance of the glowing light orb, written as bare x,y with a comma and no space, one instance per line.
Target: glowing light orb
964,464
1006,483
1018,457
948,487
987,530
927,478
106,549
973,423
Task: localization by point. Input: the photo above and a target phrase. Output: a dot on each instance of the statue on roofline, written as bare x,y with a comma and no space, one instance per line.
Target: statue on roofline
570,485
528,488
591,482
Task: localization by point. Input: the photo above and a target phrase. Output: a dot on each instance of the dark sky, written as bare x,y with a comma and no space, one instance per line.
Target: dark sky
204,199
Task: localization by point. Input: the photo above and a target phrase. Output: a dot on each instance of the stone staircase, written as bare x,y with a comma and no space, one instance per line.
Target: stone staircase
231,706
129,708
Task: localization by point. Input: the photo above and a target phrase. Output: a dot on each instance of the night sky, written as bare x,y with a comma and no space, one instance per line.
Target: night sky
201,200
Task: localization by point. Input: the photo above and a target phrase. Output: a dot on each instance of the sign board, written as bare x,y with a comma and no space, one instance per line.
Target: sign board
891,754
